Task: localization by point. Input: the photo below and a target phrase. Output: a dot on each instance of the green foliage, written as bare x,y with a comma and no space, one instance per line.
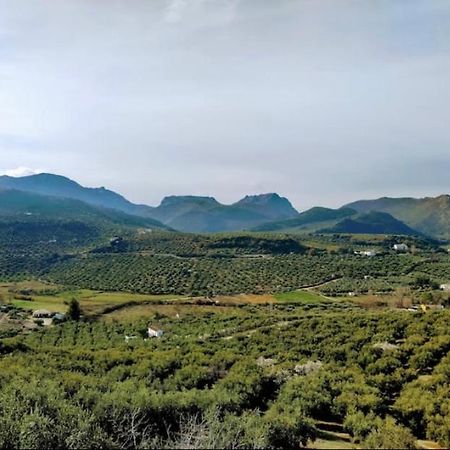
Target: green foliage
74,311
389,435
226,275
239,377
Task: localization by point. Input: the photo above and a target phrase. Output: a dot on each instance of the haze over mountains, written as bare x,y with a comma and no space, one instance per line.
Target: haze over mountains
56,196
183,213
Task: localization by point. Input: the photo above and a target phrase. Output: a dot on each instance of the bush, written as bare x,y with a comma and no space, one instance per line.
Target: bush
390,436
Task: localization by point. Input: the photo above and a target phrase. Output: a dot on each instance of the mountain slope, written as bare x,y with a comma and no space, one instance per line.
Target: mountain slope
305,219
271,206
372,223
428,215
185,213
59,186
29,207
206,214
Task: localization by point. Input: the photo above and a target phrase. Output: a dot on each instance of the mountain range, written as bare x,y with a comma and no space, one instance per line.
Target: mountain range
49,195
183,213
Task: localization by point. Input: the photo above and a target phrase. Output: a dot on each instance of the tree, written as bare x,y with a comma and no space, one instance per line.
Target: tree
391,436
74,312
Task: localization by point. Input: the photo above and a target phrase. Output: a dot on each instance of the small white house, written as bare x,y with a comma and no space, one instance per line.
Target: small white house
445,287
154,333
401,247
368,253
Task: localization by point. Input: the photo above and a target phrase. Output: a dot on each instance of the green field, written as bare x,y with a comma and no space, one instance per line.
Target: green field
56,298
305,297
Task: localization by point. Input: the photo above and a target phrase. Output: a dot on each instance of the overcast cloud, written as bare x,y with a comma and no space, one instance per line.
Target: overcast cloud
323,101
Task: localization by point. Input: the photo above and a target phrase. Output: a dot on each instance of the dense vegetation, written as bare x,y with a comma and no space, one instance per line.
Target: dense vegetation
207,275
254,377
83,255
221,376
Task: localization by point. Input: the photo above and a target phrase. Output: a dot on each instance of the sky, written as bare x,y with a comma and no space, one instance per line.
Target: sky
322,101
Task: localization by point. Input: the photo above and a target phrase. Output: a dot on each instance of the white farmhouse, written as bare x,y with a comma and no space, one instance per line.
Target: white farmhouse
401,247
154,333
369,253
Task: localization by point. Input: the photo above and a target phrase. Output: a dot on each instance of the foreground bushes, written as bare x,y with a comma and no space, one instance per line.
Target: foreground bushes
241,378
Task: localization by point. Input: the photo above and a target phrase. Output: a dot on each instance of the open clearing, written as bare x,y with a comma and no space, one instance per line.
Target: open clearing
33,295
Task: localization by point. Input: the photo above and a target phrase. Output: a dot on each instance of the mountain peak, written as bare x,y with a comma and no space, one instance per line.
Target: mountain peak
271,196
177,200
271,204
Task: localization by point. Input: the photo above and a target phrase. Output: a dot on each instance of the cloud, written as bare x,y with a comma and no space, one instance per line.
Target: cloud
322,101
175,10
200,12
20,172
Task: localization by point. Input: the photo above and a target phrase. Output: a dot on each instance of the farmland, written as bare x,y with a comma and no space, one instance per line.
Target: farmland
268,342
269,375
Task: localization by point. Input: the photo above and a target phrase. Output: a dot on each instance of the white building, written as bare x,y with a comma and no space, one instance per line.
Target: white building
369,253
154,333
401,247
445,287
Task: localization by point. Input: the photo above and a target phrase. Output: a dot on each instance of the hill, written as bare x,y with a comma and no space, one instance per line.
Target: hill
26,207
59,186
39,231
372,223
305,220
428,215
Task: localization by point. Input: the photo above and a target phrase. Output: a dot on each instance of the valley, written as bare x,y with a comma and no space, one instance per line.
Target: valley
118,331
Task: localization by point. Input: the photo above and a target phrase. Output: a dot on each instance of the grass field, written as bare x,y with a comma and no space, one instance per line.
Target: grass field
301,297
33,295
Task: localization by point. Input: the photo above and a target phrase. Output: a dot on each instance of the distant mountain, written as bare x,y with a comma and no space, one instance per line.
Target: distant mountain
174,206
23,206
184,213
59,186
271,206
429,215
306,220
205,214
265,212
372,223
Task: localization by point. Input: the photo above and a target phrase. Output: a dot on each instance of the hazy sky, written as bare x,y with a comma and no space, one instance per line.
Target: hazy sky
323,101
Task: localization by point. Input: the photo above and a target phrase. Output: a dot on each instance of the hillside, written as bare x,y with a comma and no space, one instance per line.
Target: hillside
304,220
39,231
59,186
428,215
19,206
372,223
